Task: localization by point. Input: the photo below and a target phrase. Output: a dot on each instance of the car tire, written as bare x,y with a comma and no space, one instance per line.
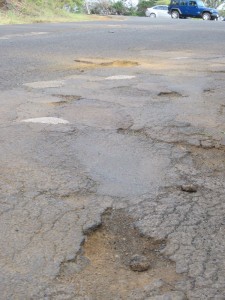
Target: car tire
206,16
152,15
175,14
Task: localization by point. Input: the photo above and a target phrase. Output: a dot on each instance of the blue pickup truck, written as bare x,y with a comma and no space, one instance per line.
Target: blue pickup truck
191,9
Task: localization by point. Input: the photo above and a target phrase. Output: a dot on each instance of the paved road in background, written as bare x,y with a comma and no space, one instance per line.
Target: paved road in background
112,160
47,50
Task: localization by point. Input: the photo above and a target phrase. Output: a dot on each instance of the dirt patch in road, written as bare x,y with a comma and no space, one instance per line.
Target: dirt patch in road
97,63
103,268
210,160
65,99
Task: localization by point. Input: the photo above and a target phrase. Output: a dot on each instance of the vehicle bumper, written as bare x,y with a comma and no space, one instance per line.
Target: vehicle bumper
215,15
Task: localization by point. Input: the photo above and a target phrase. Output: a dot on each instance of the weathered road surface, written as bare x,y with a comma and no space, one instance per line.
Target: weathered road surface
127,159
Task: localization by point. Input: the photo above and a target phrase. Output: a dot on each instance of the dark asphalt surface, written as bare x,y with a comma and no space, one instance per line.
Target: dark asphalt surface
24,56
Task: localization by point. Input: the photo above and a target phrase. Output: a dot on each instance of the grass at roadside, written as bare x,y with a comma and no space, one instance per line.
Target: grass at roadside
15,18
26,12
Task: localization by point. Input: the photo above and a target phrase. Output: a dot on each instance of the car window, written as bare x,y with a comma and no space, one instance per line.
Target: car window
192,3
201,4
174,2
165,7
183,3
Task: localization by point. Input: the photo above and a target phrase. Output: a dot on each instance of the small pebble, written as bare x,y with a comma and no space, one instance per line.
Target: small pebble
189,188
139,263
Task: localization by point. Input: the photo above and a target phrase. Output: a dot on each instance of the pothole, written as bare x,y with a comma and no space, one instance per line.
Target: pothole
221,109
103,269
208,91
99,63
65,99
170,94
133,132
130,91
212,160
218,71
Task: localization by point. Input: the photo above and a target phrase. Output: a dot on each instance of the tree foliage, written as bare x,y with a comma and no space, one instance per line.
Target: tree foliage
162,2
102,7
213,3
143,5
70,3
5,4
120,7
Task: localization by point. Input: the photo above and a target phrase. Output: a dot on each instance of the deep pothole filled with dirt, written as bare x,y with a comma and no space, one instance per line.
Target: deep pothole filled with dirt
115,260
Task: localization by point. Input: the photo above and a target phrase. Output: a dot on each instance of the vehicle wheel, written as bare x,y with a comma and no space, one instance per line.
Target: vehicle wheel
175,14
152,16
206,16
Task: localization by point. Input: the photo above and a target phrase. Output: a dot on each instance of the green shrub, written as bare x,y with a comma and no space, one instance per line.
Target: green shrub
143,5
120,8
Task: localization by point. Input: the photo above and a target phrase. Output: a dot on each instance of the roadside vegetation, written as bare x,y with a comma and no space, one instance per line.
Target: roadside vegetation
28,11
31,11
37,11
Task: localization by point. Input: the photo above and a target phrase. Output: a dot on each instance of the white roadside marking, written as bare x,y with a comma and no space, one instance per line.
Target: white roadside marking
181,57
46,120
10,36
119,77
45,84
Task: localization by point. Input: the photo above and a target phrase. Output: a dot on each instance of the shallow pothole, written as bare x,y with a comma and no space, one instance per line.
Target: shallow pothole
221,109
133,132
218,71
103,268
209,160
65,99
100,63
170,94
130,91
208,91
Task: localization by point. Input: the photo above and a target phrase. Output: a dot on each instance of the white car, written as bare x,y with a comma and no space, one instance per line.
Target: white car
157,11
221,6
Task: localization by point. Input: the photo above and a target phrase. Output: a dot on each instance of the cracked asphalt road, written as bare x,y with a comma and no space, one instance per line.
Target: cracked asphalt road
145,124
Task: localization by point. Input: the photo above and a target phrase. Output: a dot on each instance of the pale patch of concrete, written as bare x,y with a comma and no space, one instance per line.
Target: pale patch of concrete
180,58
45,84
114,25
119,77
10,36
37,33
46,120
